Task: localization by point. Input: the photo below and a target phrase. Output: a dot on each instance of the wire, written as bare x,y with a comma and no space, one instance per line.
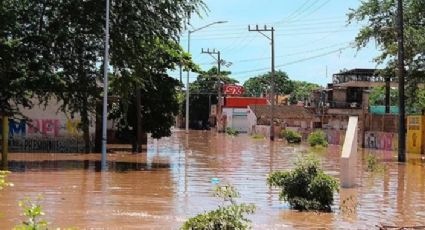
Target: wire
294,62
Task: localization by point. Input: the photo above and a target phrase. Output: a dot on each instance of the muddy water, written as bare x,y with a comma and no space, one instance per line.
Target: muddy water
172,181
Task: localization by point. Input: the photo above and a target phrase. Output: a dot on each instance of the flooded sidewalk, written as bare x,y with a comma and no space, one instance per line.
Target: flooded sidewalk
160,189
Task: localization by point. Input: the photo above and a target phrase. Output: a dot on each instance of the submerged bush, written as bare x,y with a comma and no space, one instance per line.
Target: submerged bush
231,131
317,138
291,136
231,216
373,164
33,211
306,187
3,181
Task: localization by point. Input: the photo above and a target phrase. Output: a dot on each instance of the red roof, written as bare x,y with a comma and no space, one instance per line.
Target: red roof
243,102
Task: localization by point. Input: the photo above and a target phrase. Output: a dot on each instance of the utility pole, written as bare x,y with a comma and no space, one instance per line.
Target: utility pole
188,72
218,59
271,38
401,74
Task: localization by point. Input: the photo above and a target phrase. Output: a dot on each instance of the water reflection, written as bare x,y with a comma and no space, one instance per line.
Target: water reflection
172,181
63,165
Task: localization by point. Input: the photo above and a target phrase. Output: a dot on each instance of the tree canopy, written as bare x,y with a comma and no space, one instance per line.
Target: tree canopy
55,48
259,85
379,18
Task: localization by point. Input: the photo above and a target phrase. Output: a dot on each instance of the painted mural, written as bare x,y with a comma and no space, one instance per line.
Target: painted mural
381,140
45,135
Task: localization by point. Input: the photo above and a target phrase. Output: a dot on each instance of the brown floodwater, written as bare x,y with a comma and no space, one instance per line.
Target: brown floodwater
172,181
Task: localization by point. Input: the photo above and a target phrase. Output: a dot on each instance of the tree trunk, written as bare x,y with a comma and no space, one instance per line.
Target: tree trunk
98,134
5,143
85,125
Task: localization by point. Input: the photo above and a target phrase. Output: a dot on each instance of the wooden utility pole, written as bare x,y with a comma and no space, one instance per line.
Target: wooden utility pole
401,74
272,83
218,59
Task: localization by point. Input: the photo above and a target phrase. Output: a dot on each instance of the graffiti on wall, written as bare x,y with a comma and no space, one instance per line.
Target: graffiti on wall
43,127
45,135
381,140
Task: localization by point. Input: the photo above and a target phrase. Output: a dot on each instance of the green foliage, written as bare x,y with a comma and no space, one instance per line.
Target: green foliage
377,96
258,136
378,18
33,211
302,91
259,85
373,164
291,136
317,138
306,187
3,181
229,217
232,131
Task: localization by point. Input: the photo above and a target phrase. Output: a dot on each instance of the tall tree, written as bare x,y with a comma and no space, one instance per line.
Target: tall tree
379,17
302,91
259,85
158,91
25,54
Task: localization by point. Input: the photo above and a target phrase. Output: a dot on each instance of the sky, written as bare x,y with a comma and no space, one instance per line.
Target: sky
312,38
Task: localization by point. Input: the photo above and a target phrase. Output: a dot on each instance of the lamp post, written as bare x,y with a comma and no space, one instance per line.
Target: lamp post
188,71
105,88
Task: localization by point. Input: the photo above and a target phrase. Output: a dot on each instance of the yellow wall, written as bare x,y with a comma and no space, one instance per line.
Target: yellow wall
415,134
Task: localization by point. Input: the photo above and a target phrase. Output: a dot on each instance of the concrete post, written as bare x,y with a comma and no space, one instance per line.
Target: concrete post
348,161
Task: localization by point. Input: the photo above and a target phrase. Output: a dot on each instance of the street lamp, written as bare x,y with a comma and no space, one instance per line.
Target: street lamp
105,88
188,71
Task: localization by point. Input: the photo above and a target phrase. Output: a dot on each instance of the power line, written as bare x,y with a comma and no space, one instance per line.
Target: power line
294,62
280,34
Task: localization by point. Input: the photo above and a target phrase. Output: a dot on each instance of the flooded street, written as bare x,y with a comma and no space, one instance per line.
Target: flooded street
172,182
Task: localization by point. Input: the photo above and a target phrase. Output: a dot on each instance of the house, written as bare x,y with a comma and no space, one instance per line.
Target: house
235,111
348,95
285,117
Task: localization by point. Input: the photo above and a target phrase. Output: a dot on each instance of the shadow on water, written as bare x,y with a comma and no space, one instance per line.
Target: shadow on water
91,165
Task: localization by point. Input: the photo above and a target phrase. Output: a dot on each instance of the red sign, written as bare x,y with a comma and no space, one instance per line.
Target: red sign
233,90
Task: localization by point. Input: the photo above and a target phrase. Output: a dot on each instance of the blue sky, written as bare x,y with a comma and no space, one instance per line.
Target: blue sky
311,36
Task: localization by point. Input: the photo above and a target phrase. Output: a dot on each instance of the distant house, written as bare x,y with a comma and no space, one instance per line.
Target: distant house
285,116
235,111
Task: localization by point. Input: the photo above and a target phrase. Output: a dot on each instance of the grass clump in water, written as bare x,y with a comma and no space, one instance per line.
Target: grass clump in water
231,216
373,164
232,131
307,187
291,136
317,138
258,137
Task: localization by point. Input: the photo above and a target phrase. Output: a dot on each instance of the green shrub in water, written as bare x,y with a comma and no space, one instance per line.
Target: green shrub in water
3,181
229,217
373,164
231,131
317,138
33,211
306,187
291,136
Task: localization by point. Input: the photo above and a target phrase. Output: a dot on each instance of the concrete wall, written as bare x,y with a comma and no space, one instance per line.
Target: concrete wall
47,130
339,95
